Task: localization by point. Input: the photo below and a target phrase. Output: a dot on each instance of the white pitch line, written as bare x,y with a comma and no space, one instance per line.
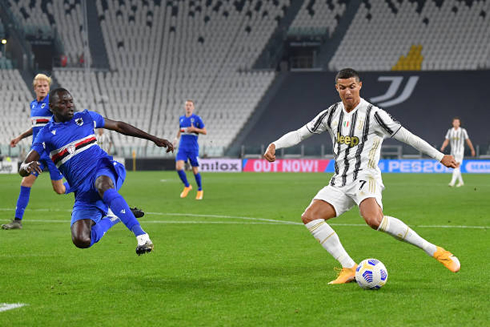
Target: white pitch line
10,306
264,221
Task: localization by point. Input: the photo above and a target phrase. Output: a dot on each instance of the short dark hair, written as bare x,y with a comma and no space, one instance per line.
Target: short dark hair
460,122
54,93
347,73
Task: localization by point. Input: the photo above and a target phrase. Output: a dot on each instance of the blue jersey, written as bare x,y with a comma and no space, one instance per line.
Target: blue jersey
40,115
188,141
72,146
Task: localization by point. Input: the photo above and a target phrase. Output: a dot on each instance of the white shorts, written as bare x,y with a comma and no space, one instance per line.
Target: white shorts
345,197
459,158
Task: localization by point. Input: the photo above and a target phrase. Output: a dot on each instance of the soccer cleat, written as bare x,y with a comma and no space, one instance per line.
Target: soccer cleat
138,213
15,224
460,184
144,244
346,275
450,184
185,191
199,195
447,259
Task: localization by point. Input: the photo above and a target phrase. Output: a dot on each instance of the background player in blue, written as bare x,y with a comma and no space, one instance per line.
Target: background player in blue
94,176
40,115
190,127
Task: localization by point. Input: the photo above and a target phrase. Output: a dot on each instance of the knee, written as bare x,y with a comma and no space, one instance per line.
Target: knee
373,220
81,241
306,217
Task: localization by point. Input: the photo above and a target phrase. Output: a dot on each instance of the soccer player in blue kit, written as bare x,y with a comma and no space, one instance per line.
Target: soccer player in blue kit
190,126
93,175
40,115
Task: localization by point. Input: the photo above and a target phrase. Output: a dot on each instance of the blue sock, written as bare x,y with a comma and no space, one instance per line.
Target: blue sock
99,229
183,177
198,181
22,201
67,187
121,209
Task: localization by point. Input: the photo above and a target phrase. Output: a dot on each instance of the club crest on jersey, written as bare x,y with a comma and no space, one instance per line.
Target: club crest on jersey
192,120
79,121
43,105
351,141
71,149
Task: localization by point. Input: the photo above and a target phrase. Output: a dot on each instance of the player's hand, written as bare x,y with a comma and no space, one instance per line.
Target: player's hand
191,129
31,167
174,143
14,142
449,161
270,153
473,154
163,143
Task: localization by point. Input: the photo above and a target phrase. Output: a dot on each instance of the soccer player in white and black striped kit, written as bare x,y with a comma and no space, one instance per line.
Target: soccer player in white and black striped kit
357,129
457,136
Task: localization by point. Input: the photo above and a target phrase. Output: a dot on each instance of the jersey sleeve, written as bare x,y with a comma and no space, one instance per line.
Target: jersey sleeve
385,124
319,124
98,119
465,134
200,123
447,134
38,144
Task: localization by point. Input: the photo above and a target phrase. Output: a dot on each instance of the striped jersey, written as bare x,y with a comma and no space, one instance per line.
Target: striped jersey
188,141
357,137
72,145
40,115
457,138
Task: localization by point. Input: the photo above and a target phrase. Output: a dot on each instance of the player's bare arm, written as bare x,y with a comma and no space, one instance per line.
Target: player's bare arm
444,144
194,129
270,153
130,130
30,164
473,153
22,136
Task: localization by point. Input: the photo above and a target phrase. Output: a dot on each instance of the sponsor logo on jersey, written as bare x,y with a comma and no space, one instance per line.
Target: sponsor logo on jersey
351,141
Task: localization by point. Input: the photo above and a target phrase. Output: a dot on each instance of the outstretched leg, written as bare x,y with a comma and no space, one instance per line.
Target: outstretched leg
374,217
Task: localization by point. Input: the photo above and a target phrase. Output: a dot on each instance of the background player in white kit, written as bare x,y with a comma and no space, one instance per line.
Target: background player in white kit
357,129
457,136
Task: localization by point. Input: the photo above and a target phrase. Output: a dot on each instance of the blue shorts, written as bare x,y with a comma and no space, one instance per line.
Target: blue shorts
192,155
46,162
88,203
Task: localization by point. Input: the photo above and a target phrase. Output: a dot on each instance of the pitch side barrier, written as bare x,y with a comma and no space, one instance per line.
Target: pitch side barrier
386,166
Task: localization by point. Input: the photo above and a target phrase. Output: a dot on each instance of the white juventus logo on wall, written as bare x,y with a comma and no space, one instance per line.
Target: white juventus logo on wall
388,99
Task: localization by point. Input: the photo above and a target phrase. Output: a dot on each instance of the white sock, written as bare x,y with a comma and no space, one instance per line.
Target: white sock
330,241
399,230
455,176
460,178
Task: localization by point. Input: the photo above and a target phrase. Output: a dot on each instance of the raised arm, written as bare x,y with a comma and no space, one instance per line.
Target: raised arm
288,140
22,136
30,164
405,136
130,130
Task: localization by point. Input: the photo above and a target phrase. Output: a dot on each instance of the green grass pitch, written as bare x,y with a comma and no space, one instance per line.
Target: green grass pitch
241,257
